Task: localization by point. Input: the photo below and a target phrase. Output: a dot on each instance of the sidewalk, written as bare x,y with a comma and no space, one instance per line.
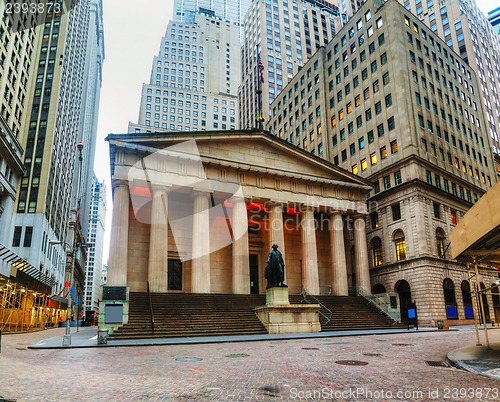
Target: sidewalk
87,338
478,359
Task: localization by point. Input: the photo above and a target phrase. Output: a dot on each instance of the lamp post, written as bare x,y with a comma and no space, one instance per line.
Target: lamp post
68,286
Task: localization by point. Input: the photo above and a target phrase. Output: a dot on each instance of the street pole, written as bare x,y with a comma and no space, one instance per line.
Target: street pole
475,309
482,304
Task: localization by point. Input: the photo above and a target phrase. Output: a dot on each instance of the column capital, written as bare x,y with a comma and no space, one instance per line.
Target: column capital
306,208
359,215
333,211
239,198
119,183
272,203
200,193
159,188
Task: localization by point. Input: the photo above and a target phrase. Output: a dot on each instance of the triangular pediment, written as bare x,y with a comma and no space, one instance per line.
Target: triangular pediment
250,150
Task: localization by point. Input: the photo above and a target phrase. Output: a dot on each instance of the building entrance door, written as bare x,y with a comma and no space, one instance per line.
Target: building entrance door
254,274
174,275
404,292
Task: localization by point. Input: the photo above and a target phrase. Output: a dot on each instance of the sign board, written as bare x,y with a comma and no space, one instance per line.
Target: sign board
114,293
113,314
84,245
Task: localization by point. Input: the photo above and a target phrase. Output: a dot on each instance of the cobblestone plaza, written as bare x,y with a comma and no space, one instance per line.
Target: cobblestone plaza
269,370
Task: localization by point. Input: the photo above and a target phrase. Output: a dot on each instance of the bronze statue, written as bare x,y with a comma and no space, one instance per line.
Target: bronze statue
275,269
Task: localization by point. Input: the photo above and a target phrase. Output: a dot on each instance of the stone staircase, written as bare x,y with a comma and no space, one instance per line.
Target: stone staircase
192,315
350,313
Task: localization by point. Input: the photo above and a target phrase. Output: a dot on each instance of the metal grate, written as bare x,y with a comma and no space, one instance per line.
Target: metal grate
372,354
434,363
351,362
236,355
402,344
189,359
310,348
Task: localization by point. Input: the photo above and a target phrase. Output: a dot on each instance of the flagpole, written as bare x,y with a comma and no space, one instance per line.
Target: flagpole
260,77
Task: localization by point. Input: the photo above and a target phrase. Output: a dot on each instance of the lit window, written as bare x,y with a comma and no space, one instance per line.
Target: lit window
355,169
373,158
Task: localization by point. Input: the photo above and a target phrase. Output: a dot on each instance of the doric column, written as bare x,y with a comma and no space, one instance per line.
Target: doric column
158,242
241,258
310,274
340,286
277,235
361,253
200,268
117,268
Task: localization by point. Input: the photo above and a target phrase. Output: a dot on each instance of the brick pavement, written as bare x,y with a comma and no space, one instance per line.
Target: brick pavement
273,370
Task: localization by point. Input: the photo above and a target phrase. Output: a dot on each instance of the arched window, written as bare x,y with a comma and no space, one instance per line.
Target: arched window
440,242
449,299
379,288
399,243
485,304
378,258
467,299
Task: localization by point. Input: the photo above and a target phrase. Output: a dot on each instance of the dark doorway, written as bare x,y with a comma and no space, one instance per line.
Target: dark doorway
404,292
254,274
174,275
450,300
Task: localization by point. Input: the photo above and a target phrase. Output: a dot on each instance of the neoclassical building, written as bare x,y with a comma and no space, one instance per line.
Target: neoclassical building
199,211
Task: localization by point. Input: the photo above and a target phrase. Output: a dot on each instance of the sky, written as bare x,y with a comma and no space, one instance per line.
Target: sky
132,35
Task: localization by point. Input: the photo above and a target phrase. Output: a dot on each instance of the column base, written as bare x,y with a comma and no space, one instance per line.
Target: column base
290,319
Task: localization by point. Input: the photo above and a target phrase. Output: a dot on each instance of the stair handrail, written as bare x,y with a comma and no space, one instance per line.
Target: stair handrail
304,294
151,310
380,304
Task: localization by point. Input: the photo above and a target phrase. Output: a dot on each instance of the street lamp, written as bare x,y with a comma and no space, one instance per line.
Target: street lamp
67,335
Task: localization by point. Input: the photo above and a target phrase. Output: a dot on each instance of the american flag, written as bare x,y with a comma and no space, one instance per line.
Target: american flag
261,70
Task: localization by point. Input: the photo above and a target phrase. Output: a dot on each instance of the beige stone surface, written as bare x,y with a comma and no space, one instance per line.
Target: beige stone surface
288,319
277,296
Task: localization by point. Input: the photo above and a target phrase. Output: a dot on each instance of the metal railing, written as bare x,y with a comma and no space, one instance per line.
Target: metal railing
151,310
380,304
328,315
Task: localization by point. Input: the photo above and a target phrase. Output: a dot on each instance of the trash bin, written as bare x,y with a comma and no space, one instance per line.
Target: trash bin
102,336
440,324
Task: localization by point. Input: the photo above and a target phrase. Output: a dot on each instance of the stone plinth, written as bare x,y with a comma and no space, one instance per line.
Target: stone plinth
290,318
277,296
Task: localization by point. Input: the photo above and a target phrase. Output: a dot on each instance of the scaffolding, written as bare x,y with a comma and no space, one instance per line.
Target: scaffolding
22,309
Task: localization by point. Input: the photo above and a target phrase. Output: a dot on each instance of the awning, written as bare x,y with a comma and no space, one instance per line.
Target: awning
11,258
477,234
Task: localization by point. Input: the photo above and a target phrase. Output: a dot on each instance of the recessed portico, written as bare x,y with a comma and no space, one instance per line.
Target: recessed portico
214,202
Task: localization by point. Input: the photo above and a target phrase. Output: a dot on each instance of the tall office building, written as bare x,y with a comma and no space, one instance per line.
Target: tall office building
284,35
388,100
18,46
194,79
95,238
494,19
234,11
462,25
48,187
90,104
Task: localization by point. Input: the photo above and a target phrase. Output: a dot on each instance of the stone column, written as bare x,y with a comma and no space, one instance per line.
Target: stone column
241,257
310,274
200,267
158,242
340,286
277,235
117,268
361,253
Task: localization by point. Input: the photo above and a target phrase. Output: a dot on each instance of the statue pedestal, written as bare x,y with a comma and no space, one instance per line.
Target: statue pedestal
281,317
277,296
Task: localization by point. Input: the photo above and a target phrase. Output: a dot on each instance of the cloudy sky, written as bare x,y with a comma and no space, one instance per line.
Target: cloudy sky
132,34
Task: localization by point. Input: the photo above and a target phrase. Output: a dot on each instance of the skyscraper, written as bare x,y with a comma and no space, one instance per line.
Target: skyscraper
18,45
194,79
234,11
95,238
284,35
388,100
462,25
494,19
48,187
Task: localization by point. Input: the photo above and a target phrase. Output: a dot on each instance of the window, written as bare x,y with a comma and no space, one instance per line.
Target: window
454,216
16,241
374,220
440,240
394,146
437,211
28,236
355,169
388,100
387,182
396,212
399,243
377,251
383,152
397,178
373,158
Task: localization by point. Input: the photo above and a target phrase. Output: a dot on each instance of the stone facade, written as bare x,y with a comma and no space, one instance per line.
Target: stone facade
198,212
389,101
